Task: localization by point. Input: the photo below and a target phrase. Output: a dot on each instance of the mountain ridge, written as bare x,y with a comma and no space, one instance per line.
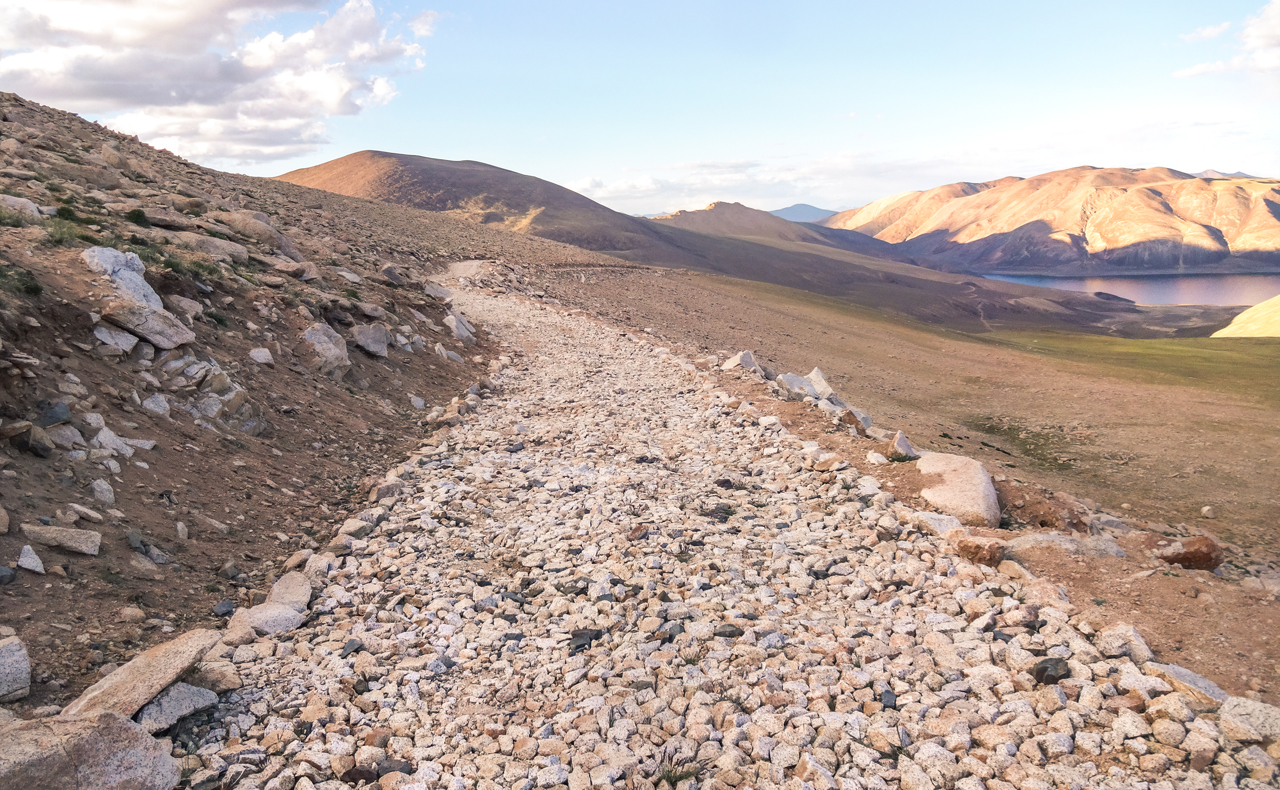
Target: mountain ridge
1083,221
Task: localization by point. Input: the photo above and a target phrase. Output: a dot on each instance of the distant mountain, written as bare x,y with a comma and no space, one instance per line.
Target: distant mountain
802,212
801,256
1220,174
1083,221
738,221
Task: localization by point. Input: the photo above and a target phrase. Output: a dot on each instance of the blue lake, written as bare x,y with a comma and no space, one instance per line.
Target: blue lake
1219,289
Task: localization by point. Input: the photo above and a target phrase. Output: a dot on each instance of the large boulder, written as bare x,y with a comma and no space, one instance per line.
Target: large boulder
157,326
15,670
745,360
25,208
266,619
136,683
257,226
965,490
461,329
797,387
293,590
173,704
89,752
81,541
125,270
1248,715
214,247
328,350
373,338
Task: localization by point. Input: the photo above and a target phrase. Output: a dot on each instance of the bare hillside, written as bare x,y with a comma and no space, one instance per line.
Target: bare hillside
1084,221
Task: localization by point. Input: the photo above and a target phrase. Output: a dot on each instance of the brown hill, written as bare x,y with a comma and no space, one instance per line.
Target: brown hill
1084,221
492,196
739,221
734,241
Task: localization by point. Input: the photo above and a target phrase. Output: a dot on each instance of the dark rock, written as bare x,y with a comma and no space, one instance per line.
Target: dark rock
582,638
52,414
352,646
229,570
515,448
728,630
393,766
1050,670
888,699
7,575
359,773
224,609
33,440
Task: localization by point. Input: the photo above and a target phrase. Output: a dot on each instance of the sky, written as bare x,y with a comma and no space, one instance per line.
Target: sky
654,107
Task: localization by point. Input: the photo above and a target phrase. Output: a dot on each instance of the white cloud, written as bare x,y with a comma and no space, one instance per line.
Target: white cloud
1206,33
424,24
185,75
1261,37
1203,68
1134,136
1259,46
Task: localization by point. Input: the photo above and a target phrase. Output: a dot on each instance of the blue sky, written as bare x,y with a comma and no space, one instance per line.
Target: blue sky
652,107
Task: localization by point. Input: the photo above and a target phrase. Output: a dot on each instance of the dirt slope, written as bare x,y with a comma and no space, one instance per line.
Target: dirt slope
1261,320
1084,221
739,221
270,447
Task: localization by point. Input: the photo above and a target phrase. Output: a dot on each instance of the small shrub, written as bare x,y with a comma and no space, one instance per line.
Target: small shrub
20,281
52,187
67,213
61,232
12,219
138,217
351,293
218,318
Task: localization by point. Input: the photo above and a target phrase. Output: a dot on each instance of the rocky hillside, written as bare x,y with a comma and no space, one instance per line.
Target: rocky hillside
622,569
200,372
301,492
1084,221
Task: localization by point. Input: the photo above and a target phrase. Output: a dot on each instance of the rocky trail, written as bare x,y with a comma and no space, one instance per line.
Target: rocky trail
613,562
612,572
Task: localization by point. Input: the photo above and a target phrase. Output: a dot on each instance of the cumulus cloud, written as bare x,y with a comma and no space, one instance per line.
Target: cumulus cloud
1259,46
424,24
188,77
1206,33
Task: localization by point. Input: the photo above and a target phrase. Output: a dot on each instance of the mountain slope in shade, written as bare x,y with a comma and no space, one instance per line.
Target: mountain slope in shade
796,255
1084,221
738,221
802,212
481,193
1261,320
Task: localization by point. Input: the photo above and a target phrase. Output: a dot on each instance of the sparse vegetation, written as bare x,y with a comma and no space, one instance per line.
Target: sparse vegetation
19,281
62,233
138,217
12,219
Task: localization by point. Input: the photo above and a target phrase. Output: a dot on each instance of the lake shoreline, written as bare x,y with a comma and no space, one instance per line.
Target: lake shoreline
1227,290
